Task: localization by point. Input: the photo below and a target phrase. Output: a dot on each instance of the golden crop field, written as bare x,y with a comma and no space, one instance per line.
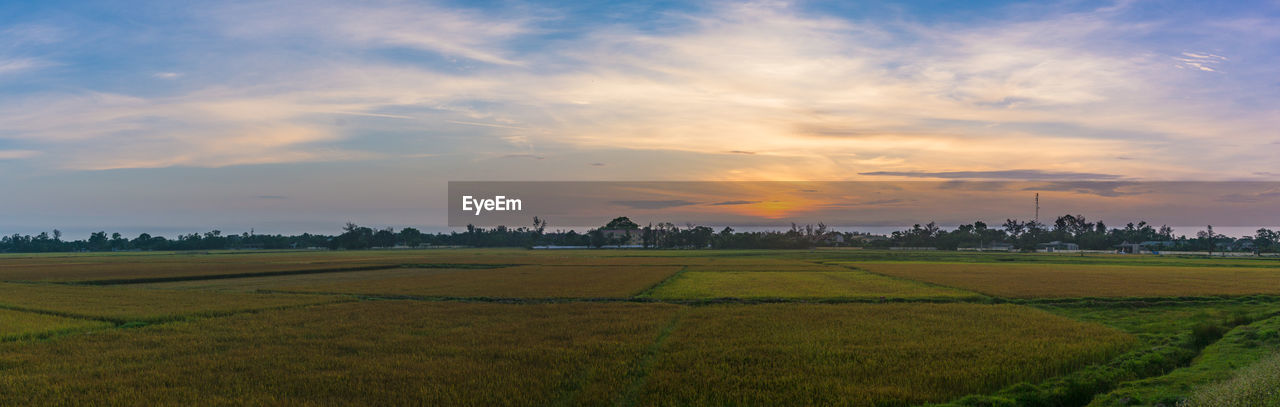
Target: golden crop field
125,267
121,304
847,284
865,354
143,266
267,283
1070,281
511,282
790,266
615,327
17,324
376,353
508,282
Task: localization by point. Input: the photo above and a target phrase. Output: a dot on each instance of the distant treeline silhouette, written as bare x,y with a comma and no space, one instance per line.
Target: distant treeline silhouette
1067,232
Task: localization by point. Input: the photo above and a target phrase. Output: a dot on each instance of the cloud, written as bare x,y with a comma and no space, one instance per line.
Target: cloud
1025,175
728,203
1200,61
1108,189
15,65
1264,196
864,204
166,75
529,156
17,154
453,32
272,197
653,204
870,97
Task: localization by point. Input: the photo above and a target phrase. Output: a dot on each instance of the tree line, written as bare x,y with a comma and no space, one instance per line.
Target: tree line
623,232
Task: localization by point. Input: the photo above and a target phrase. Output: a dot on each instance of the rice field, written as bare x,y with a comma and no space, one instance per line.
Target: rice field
383,353
507,282
1073,281
631,328
845,284
865,354
20,325
122,305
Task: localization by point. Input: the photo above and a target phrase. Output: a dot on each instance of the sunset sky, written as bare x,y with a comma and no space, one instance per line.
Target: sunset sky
298,116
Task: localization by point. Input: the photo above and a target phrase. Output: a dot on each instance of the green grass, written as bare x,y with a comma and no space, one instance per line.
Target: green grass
1241,347
1255,385
847,284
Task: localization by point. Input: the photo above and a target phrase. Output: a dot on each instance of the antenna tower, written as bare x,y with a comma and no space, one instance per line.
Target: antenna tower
1037,207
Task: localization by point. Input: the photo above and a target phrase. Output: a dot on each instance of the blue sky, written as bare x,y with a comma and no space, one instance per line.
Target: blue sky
297,116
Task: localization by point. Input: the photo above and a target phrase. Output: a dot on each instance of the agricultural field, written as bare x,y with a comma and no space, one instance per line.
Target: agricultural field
1067,281
370,353
636,328
865,354
19,325
845,284
504,282
124,304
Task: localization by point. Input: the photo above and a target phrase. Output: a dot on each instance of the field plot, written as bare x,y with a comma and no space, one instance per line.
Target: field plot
865,354
783,266
508,282
177,265
17,324
118,304
380,353
1072,281
144,266
846,284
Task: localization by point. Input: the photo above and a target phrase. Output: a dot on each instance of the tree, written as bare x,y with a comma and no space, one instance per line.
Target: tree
98,241
1209,237
383,238
622,223
410,237
1265,239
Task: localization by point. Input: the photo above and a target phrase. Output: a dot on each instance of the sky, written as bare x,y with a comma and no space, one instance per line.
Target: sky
285,117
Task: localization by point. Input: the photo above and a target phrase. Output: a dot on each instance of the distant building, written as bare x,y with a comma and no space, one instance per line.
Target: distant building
1129,248
624,237
992,247
1056,246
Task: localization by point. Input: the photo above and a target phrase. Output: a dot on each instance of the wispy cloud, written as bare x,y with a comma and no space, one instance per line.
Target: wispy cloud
449,31
14,65
1105,189
1200,61
653,204
522,155
17,154
1024,175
